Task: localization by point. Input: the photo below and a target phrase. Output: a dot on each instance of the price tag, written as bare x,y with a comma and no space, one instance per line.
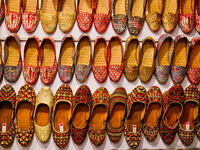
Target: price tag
61,127
134,128
187,125
4,127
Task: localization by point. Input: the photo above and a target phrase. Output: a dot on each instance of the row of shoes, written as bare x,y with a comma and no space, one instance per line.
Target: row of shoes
149,112
123,11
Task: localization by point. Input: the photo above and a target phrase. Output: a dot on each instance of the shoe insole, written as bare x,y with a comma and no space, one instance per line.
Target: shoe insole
195,56
42,115
134,117
102,6
131,53
14,53
49,6
85,6
137,8
117,115
153,114
186,7
66,56
14,5
180,57
119,7
24,114
81,115
48,54
31,6
68,6
154,6
31,56
188,114
5,115
163,59
116,54
62,115
170,6
148,53
84,47
99,117
172,115
99,53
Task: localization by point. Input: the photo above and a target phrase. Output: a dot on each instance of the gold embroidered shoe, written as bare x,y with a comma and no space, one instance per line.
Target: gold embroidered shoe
42,114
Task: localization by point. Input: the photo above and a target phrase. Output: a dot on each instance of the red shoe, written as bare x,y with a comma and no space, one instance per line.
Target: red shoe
197,16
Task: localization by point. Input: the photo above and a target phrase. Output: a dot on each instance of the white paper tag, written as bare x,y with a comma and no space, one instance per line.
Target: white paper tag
134,128
187,125
4,127
61,127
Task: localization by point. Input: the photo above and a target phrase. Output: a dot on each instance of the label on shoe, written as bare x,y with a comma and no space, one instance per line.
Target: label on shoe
134,128
187,125
61,127
4,127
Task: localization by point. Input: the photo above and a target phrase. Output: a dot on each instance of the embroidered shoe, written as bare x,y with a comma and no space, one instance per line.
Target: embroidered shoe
7,109
99,65
115,123
66,59
190,113
81,106
170,15
42,113
154,110
147,59
115,58
62,115
136,108
31,60
131,58
1,63
136,16
173,100
164,52
197,16
48,68
197,124
12,58
13,15
119,15
179,59
30,15
83,58
193,67
186,15
99,115
24,114
2,11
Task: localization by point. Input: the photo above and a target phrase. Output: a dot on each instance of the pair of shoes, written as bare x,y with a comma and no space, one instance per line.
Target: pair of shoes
101,10
29,17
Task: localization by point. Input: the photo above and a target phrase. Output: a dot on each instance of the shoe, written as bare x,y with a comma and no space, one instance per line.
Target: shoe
2,11
153,114
115,58
99,115
136,16
31,60
1,65
102,15
197,124
12,58
190,114
48,15
81,106
164,52
172,110
115,123
62,115
99,65
83,58
66,15
153,14
85,14
131,58
24,114
179,59
66,59
147,59
7,109
48,68
186,15
136,108
30,15
13,15
42,113
119,15
193,67
170,15
197,16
